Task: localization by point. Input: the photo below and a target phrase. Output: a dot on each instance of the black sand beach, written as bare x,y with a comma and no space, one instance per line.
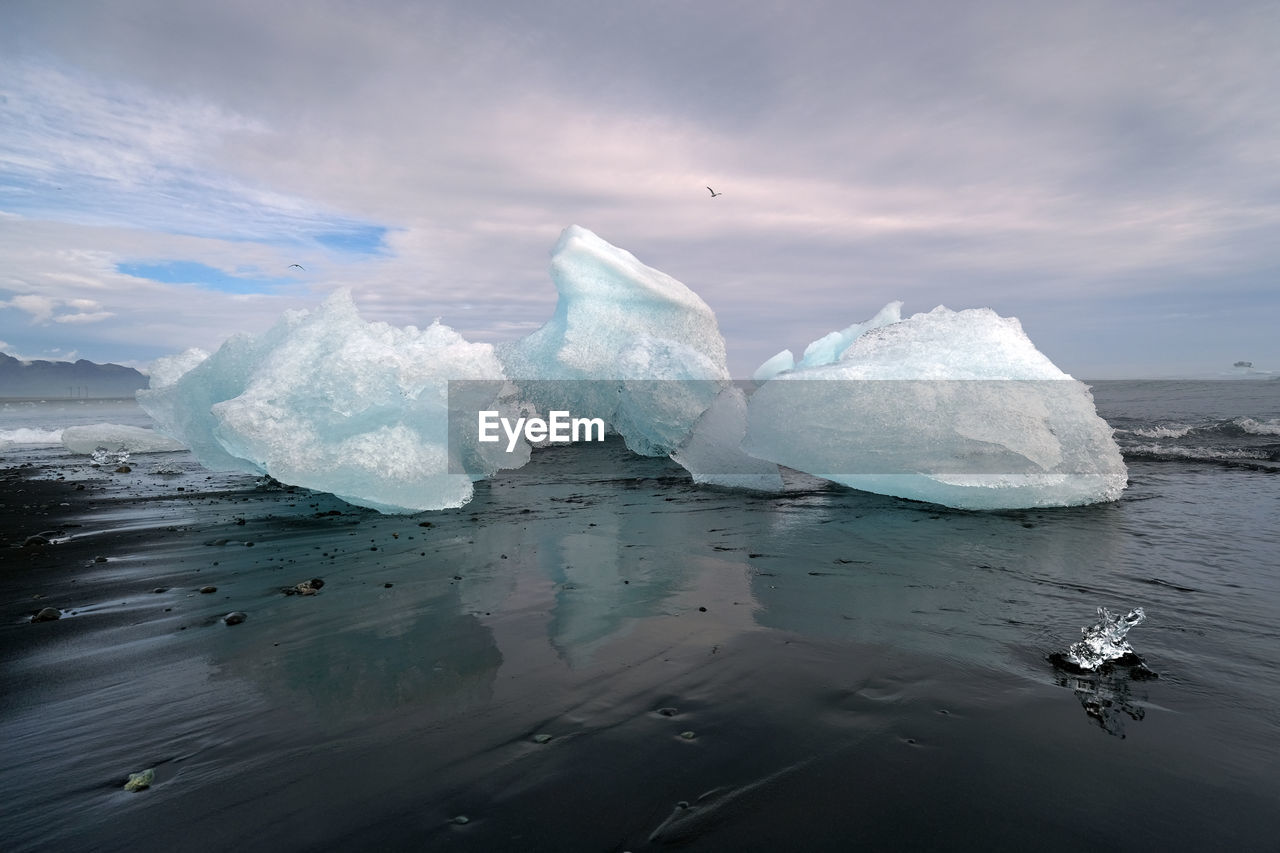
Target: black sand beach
597,655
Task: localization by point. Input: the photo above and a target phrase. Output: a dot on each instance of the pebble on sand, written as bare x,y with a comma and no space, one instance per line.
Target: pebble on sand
235,617
208,589
541,738
48,614
140,781
32,541
688,735
310,587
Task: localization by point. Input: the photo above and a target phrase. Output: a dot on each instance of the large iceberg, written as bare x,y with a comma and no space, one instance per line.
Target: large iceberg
627,343
953,407
328,401
635,347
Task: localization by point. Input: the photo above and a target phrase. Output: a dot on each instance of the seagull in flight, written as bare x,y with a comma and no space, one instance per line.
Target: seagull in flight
299,266
713,192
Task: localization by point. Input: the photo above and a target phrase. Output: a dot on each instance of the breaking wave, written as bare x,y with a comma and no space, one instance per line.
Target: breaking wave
29,437
1249,425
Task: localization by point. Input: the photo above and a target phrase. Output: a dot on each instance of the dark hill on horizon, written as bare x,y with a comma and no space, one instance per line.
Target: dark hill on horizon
67,379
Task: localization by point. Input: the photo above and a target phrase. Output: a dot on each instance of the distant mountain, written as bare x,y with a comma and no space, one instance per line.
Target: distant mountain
66,379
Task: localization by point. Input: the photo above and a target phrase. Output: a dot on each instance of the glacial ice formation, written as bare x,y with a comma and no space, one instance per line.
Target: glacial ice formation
328,401
951,407
117,438
617,319
958,408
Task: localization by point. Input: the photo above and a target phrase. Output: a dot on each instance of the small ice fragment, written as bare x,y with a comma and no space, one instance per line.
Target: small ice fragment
1105,641
103,456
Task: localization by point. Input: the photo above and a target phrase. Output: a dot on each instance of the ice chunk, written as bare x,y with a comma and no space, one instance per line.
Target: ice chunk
117,439
955,408
618,319
1104,642
774,365
712,451
328,401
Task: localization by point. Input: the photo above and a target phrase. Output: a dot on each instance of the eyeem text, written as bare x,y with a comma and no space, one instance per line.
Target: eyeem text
560,428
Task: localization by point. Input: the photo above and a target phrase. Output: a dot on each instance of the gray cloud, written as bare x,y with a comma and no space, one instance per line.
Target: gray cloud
1090,164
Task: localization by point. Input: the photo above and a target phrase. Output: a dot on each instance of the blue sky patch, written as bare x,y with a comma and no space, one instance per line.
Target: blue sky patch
356,240
201,275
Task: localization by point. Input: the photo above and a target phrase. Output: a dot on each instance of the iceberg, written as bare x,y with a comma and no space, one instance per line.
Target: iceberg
951,407
958,408
330,402
117,438
627,343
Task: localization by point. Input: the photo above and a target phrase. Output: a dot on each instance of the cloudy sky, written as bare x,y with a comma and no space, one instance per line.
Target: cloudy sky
1107,172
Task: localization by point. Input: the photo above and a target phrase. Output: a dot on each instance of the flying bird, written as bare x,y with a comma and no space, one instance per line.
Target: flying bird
713,192
299,266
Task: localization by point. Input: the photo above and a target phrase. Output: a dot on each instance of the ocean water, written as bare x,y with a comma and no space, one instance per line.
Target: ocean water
595,654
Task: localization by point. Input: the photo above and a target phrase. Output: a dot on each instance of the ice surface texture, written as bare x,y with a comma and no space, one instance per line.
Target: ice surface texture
951,407
362,410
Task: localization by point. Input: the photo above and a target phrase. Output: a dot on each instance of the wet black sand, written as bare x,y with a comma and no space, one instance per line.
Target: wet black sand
715,672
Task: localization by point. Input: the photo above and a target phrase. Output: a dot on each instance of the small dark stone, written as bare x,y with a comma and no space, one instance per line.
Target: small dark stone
208,589
387,585
457,577
425,524
48,614
702,610
123,469
235,617
99,559
160,589
79,487
668,712
33,541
